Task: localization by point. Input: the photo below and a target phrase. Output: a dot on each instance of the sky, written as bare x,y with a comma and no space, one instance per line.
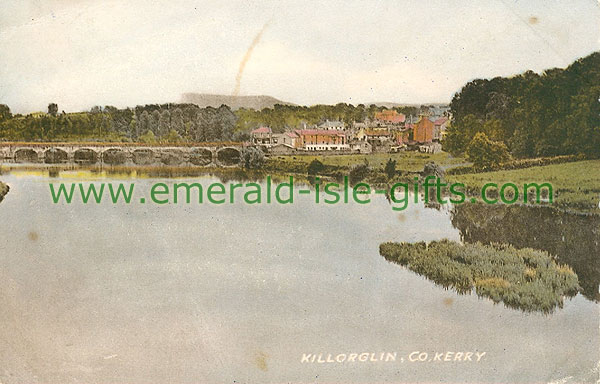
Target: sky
81,53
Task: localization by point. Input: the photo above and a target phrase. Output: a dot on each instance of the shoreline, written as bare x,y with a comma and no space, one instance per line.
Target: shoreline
4,188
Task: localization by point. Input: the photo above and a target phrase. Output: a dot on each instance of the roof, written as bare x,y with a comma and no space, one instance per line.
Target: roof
441,120
291,134
304,132
390,116
262,130
377,133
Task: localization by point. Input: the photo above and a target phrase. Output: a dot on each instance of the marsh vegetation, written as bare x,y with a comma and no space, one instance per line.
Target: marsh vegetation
525,279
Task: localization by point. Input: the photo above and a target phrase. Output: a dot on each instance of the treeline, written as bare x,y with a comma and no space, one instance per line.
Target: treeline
149,123
555,113
283,117
175,122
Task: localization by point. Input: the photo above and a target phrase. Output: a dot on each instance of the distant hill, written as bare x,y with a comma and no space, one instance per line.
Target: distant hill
234,102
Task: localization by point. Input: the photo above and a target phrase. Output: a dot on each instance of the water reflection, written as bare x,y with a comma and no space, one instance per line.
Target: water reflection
572,238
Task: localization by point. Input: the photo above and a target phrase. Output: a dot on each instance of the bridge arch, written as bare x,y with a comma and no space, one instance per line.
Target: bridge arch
201,156
229,156
172,156
26,155
114,156
55,156
143,156
85,156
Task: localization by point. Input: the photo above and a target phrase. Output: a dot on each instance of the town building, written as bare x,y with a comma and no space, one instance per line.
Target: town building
423,130
262,136
440,126
332,125
361,146
321,140
390,116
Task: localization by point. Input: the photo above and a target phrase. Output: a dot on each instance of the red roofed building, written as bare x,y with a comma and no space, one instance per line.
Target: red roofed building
390,116
321,140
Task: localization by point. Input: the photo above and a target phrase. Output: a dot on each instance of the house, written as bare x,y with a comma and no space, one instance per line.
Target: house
321,140
440,126
262,136
423,130
289,138
372,135
390,116
282,149
332,126
361,146
402,137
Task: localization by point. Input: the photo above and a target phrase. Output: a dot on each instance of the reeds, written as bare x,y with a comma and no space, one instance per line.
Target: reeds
525,279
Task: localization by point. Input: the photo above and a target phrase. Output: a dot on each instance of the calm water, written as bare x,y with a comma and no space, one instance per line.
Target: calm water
238,293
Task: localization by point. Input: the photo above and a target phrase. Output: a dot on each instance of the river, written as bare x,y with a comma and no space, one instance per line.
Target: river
237,293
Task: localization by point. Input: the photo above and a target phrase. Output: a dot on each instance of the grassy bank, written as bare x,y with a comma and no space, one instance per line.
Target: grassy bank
525,279
576,185
405,161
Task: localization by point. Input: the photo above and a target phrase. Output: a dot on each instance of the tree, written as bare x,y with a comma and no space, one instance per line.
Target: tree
390,168
173,137
177,122
315,167
164,122
148,137
485,153
252,158
4,112
52,109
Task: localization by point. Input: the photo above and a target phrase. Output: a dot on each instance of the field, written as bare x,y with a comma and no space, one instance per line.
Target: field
576,185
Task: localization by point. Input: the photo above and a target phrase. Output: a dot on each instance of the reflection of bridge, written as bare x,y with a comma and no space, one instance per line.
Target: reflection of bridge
201,154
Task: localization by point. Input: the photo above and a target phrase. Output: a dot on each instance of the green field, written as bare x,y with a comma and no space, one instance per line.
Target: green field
576,185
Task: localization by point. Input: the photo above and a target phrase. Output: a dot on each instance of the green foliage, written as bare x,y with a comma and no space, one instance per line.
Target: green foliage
188,121
525,279
315,167
52,109
172,137
485,153
518,164
252,158
460,134
433,169
555,113
390,168
4,112
359,172
148,138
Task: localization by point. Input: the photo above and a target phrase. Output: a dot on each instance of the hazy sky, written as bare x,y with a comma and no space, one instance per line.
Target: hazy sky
79,53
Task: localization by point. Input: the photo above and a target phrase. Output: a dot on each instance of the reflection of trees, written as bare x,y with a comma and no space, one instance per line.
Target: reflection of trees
573,239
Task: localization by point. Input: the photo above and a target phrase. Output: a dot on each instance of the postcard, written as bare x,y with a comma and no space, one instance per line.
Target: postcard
204,191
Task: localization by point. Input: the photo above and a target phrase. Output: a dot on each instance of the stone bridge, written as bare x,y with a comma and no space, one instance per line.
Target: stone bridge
205,155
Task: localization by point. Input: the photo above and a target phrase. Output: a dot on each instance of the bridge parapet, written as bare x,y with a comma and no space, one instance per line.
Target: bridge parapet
205,155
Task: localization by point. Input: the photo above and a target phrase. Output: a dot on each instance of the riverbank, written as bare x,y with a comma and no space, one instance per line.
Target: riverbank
3,190
576,185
